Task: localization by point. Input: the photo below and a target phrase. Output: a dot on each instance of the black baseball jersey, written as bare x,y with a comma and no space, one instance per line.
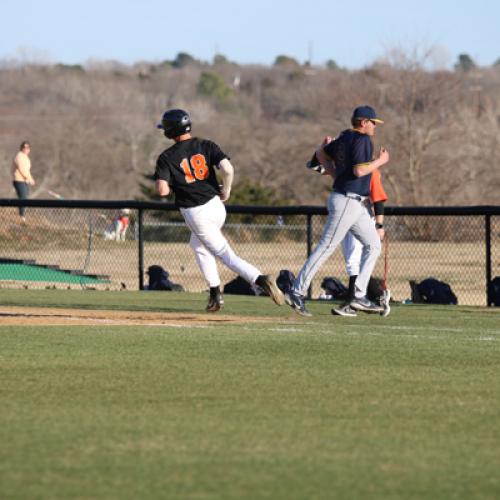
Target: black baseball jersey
189,168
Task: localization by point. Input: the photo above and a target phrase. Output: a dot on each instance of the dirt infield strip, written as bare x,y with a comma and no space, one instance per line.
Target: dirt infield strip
11,315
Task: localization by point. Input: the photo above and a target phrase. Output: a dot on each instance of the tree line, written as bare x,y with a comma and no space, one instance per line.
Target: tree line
93,128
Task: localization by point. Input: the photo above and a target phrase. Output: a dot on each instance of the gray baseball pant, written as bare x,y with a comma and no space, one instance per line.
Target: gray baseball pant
345,213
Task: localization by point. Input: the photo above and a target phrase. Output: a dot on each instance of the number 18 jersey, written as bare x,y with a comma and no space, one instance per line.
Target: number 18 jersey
189,168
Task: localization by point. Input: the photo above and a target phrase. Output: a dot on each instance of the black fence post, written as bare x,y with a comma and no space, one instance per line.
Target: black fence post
487,229
309,247
141,249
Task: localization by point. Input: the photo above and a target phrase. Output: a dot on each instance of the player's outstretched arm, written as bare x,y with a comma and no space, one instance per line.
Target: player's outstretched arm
162,187
227,173
367,168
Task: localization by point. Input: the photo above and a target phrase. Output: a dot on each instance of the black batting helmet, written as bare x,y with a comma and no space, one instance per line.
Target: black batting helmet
175,122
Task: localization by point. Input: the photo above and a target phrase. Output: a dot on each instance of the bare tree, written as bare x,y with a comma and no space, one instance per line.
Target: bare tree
94,135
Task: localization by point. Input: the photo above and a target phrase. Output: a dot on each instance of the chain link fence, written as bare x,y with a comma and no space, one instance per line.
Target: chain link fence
75,245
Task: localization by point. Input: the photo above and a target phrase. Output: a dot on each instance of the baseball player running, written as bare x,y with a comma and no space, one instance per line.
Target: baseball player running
348,208
352,249
187,168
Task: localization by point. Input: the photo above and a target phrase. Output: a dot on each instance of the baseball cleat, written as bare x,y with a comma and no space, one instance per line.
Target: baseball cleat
215,303
345,310
297,303
385,303
271,288
363,304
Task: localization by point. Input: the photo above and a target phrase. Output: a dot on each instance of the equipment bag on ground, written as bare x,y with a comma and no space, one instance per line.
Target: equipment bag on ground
432,291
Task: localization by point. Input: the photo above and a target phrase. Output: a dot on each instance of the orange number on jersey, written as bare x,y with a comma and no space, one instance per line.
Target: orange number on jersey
199,167
187,171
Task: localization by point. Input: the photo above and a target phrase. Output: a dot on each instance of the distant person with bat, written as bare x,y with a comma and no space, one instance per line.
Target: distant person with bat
21,174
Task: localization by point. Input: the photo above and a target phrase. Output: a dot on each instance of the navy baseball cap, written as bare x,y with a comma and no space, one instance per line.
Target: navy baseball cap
367,113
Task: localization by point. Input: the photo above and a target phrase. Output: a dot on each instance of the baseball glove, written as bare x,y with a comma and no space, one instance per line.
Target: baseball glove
314,164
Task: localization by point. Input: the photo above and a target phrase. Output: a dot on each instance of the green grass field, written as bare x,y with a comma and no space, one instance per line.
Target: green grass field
404,407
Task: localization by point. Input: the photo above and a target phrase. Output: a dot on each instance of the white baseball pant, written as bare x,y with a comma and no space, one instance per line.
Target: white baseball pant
345,213
208,242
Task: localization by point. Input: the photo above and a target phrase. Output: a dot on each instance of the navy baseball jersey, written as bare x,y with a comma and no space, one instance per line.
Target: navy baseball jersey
189,168
351,148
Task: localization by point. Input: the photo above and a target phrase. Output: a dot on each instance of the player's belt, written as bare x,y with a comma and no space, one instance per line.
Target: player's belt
354,196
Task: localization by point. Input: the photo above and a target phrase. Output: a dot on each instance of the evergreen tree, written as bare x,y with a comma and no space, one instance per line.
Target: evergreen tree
465,63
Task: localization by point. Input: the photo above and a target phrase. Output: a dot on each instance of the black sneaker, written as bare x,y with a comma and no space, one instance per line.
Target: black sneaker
296,302
345,310
215,303
365,305
270,288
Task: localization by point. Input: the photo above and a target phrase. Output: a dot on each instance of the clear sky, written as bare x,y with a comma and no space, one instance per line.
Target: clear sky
352,33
